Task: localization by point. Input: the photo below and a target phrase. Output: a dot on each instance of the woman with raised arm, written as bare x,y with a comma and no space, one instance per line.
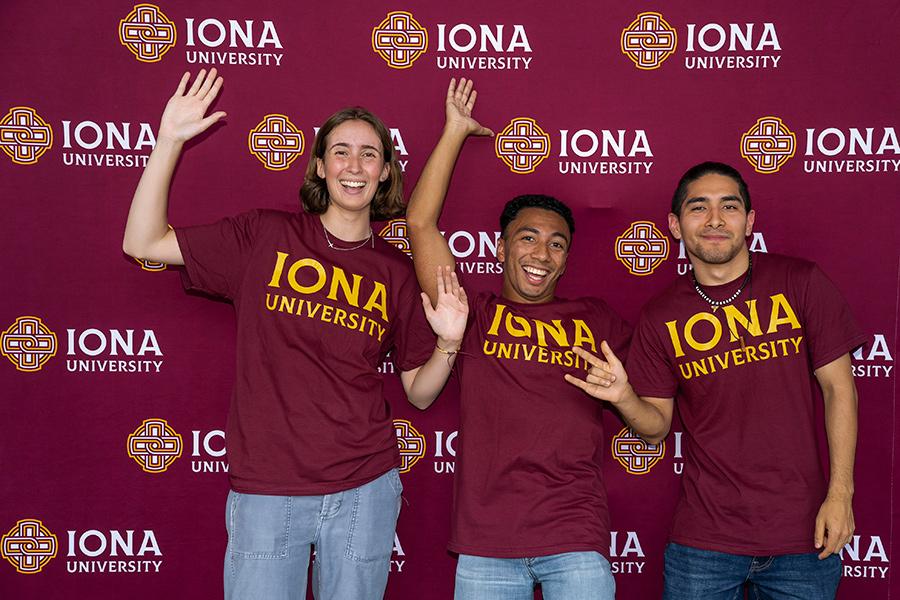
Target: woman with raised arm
320,300
529,504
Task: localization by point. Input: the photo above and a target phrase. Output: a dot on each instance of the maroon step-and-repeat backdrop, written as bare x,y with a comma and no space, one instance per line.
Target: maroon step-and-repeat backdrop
115,382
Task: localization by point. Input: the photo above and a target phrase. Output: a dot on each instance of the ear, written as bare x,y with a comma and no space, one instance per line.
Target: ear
385,172
501,250
674,226
751,218
320,168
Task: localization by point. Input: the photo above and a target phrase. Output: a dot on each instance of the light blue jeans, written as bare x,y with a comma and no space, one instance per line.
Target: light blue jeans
695,574
269,539
567,576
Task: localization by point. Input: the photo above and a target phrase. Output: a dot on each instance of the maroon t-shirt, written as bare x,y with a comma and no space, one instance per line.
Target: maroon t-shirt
743,374
528,469
307,414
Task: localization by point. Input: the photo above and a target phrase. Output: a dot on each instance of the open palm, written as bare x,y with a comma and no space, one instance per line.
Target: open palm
185,114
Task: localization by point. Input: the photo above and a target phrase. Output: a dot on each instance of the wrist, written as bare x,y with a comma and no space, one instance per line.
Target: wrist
456,130
840,492
167,142
447,345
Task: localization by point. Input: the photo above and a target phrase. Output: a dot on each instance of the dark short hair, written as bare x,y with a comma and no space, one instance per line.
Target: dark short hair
708,168
512,208
388,200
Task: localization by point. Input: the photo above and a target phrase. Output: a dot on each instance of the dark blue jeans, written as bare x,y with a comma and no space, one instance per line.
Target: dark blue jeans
694,574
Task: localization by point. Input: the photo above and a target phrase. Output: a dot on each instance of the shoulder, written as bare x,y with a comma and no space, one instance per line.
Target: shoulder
791,268
669,296
391,256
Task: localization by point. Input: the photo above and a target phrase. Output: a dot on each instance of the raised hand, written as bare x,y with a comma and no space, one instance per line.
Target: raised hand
184,115
460,102
606,380
448,317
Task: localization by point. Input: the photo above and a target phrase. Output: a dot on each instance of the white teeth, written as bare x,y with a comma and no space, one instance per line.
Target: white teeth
353,184
534,271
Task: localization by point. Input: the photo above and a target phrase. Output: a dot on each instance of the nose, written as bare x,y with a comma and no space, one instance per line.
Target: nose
715,218
541,252
354,165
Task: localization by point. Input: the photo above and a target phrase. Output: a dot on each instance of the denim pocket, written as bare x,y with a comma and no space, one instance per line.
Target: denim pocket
376,506
259,526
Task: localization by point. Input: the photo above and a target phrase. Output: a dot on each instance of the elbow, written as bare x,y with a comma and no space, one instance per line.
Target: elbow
414,221
129,249
419,402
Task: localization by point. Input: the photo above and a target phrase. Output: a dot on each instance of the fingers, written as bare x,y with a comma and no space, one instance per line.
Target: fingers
819,536
470,104
213,92
588,357
610,356
426,304
197,83
441,285
207,85
579,383
179,91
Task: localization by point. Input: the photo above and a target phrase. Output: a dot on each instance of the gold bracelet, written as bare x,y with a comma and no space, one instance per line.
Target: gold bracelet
447,352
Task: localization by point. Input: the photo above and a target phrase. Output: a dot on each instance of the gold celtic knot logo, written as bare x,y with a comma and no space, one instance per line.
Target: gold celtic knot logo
633,453
154,445
642,248
28,546
396,233
410,442
399,39
522,145
28,344
768,145
147,33
150,265
649,41
24,135
276,142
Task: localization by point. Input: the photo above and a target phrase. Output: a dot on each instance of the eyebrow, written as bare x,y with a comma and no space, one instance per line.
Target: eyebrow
728,198
363,147
534,230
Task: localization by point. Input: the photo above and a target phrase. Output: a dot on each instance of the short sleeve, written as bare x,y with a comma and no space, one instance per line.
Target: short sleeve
831,330
413,339
617,331
649,367
216,255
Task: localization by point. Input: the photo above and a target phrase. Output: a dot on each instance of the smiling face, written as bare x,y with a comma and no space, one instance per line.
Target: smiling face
352,166
713,221
533,250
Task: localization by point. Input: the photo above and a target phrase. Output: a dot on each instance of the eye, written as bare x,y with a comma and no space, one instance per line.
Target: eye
558,245
528,238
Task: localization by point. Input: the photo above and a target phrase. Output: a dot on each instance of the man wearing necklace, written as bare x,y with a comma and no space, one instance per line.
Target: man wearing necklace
740,343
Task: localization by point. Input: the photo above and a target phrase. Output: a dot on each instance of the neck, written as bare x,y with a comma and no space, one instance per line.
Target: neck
349,227
718,274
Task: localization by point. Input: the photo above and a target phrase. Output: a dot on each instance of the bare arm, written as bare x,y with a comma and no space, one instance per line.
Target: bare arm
834,523
430,249
448,320
607,380
147,233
